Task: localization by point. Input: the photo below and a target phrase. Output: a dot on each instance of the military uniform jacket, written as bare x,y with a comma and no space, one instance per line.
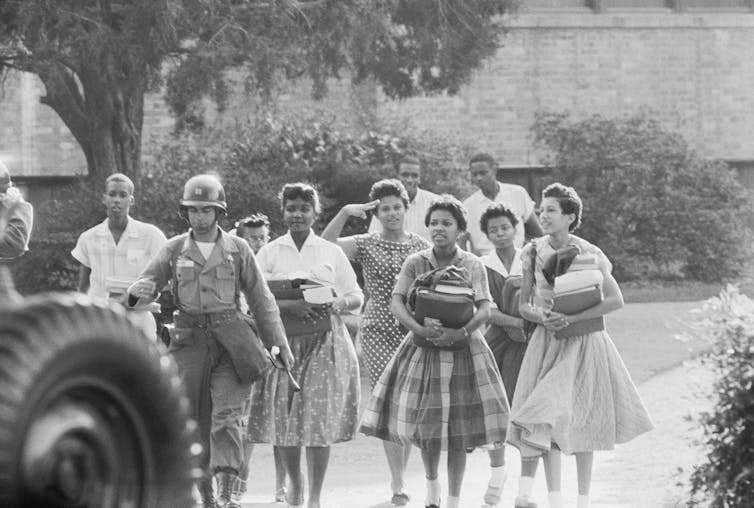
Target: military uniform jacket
207,286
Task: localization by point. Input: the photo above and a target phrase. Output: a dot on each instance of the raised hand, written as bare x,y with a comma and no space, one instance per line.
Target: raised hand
360,210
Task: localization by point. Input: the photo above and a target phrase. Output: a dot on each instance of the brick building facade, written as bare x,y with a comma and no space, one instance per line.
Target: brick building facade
692,67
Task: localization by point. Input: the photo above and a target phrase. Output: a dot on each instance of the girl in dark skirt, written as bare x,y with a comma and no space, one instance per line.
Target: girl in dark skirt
505,335
435,397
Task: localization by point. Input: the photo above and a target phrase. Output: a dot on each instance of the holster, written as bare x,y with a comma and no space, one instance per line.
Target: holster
244,347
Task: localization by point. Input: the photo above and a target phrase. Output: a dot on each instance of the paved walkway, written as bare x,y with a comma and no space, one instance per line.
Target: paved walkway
640,474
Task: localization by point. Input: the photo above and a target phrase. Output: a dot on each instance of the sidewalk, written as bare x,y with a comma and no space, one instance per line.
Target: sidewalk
640,474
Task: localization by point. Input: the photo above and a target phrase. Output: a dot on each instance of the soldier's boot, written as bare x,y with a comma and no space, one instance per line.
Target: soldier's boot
239,489
207,493
226,480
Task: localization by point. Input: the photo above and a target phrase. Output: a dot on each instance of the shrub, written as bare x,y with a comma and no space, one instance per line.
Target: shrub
254,161
48,266
655,207
726,479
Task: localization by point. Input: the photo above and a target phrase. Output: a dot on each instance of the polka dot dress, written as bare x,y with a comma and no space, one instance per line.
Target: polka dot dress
381,334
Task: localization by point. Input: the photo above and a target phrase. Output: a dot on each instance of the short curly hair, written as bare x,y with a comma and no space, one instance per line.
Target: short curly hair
497,210
483,157
256,220
388,187
450,204
569,200
300,190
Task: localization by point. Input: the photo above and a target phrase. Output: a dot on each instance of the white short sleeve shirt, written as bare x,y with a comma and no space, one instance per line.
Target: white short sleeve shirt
512,196
96,249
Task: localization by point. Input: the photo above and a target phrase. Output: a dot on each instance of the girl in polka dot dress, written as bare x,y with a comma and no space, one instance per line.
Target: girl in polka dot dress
381,255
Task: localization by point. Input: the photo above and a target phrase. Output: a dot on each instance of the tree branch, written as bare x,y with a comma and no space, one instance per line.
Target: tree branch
64,97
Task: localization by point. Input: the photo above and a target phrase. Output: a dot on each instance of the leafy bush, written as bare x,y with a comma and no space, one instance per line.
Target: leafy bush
254,162
654,206
48,266
726,479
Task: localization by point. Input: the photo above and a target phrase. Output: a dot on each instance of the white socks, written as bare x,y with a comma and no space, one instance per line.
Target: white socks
433,492
497,476
582,502
555,499
452,502
525,486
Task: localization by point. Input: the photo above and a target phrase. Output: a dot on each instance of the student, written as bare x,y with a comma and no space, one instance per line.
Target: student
505,335
381,254
209,268
113,253
326,410
433,393
255,229
484,171
410,174
574,393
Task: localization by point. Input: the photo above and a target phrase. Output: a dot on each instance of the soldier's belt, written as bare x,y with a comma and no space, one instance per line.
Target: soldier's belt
208,320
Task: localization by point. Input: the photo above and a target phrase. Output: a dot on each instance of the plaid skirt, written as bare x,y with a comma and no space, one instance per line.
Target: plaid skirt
430,397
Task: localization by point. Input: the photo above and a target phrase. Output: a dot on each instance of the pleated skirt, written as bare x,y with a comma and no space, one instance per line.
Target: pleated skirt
431,397
575,394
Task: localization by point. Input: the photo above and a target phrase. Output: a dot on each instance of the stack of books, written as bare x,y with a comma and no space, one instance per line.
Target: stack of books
576,290
303,289
117,287
452,305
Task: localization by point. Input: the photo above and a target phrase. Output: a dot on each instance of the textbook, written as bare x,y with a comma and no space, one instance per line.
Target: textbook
302,289
577,298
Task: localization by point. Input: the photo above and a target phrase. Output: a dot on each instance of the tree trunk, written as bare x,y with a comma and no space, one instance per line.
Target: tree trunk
102,103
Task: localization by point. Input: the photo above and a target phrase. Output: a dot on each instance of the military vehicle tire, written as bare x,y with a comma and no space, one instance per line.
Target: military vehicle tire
92,413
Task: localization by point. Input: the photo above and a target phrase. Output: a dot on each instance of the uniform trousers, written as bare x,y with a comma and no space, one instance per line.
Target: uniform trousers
217,398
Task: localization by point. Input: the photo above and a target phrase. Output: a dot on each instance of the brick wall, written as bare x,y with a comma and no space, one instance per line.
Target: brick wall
693,70
33,139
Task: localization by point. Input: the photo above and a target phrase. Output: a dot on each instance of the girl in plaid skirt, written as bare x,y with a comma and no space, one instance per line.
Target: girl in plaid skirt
446,395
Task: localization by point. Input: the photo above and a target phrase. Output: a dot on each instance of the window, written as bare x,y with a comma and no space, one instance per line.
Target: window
718,4
555,4
635,4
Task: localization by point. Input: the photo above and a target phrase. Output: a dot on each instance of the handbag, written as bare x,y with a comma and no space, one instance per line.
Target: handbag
445,294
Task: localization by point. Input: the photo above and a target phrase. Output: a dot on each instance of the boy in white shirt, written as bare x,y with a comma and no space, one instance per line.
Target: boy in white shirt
483,170
113,253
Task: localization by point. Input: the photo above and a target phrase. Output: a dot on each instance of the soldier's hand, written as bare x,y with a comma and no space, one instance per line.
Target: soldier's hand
287,356
142,288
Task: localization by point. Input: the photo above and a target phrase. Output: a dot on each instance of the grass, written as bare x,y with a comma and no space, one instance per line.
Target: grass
683,291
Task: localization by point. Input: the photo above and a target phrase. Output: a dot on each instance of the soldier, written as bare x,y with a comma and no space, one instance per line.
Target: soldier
208,269
17,228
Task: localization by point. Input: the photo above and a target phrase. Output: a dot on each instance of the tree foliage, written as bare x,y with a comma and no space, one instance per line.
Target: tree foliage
655,207
97,59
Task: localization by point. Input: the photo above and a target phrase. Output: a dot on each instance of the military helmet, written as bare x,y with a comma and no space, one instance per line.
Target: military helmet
204,190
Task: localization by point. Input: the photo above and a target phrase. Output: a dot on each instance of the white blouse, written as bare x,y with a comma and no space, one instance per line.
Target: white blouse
324,260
